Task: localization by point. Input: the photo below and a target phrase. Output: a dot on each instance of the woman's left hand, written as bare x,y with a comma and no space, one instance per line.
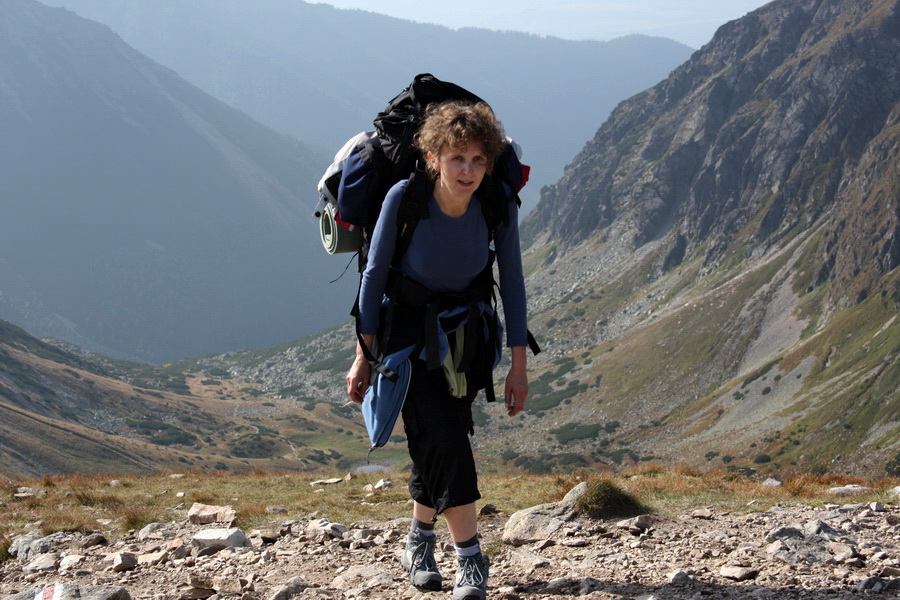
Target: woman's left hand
516,391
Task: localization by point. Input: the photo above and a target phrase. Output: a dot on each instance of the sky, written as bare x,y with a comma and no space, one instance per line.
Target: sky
692,22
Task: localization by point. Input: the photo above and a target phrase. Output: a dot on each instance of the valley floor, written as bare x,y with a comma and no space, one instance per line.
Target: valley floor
787,552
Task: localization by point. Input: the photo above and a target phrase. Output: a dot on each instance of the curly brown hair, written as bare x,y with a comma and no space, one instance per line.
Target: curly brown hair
455,124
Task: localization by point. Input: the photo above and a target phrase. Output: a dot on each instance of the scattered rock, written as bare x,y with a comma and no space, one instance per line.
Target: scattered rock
842,553
94,539
155,531
204,514
220,538
74,592
636,525
542,522
25,493
527,561
153,558
292,588
324,530
836,550
33,543
738,573
850,490
531,525
876,585
702,513
679,578
43,563
332,481
780,533
123,561
70,562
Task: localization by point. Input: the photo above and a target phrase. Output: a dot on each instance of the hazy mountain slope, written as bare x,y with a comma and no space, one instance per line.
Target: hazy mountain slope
141,217
67,413
321,74
53,413
714,280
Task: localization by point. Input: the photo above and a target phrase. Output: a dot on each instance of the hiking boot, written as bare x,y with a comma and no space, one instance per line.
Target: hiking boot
418,560
471,578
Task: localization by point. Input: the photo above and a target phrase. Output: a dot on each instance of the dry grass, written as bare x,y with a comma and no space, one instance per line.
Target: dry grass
5,543
76,503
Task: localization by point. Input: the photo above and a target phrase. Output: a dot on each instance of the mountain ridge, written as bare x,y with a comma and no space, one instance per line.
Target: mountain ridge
331,63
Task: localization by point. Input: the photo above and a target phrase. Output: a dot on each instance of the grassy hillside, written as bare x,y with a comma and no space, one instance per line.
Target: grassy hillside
65,413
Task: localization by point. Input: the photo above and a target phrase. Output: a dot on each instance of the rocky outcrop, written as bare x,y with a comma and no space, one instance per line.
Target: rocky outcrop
784,122
786,552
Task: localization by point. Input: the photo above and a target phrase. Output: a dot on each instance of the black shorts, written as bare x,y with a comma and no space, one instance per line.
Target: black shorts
437,430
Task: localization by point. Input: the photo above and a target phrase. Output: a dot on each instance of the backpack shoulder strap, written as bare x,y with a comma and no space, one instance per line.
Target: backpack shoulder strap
413,207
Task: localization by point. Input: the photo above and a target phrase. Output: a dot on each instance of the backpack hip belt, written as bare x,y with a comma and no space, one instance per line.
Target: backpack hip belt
479,299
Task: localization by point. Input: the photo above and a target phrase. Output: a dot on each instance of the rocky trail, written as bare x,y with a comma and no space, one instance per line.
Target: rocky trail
841,550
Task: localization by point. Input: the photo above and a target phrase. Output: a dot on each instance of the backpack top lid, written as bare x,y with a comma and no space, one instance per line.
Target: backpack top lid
398,123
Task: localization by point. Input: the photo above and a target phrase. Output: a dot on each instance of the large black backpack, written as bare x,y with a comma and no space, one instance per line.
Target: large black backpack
352,190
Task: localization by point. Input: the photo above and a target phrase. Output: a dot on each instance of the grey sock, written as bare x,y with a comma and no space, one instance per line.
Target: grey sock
468,548
424,529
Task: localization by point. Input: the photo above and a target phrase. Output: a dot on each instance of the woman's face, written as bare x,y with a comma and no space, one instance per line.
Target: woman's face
461,169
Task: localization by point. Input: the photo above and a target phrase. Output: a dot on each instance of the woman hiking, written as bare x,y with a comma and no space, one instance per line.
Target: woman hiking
441,289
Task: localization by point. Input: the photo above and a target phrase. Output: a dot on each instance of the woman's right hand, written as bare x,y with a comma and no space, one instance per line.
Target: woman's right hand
358,379
360,373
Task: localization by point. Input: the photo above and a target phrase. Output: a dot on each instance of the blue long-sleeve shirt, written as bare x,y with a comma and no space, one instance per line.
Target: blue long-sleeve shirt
445,254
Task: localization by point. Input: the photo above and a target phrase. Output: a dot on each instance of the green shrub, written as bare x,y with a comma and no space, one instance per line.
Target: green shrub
893,467
603,499
760,373
509,454
576,432
534,465
618,456
253,446
567,462
542,402
162,433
